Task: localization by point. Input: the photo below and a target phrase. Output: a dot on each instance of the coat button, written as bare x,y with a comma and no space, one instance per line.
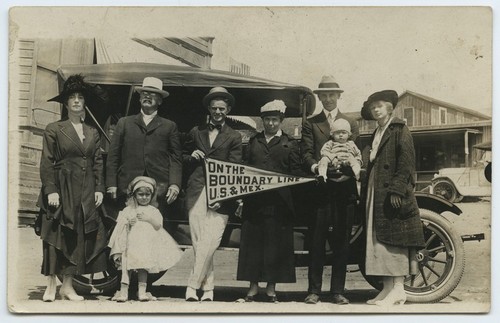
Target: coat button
386,184
84,157
83,168
386,166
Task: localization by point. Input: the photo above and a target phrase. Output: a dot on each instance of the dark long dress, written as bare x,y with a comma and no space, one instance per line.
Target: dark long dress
266,250
74,237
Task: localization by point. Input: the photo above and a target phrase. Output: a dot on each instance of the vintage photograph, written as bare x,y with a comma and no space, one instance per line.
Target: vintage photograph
250,160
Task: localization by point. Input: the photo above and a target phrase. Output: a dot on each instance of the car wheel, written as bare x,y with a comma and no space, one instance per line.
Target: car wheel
446,190
441,262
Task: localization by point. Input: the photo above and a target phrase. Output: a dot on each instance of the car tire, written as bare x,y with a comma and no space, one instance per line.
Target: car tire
441,263
445,189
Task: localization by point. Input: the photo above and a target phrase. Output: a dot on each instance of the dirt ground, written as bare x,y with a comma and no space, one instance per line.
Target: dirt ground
26,284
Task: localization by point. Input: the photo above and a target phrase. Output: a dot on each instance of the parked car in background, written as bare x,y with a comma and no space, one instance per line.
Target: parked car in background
453,184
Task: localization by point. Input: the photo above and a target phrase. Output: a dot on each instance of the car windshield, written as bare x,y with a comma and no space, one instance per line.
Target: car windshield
483,157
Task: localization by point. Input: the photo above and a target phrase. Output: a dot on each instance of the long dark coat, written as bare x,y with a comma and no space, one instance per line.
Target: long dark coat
280,155
227,147
137,149
74,235
394,169
266,250
74,170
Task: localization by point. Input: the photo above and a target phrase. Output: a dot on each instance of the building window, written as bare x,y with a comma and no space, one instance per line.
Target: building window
408,116
443,116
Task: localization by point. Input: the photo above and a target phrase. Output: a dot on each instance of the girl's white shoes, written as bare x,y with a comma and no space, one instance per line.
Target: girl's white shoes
145,297
120,296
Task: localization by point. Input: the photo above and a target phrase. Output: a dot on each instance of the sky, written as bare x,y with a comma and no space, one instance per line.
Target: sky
436,52
444,53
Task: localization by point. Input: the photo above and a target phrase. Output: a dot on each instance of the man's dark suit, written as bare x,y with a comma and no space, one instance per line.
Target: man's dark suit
332,205
136,149
227,146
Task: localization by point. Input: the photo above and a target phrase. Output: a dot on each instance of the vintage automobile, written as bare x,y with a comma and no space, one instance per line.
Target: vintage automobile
453,184
441,262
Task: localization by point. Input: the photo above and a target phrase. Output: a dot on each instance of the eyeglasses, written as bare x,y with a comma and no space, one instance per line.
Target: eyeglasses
146,93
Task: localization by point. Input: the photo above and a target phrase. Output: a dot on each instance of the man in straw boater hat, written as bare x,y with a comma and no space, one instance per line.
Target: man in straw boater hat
145,144
333,203
207,222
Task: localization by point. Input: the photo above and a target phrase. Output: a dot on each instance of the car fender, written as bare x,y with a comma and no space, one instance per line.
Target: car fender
436,203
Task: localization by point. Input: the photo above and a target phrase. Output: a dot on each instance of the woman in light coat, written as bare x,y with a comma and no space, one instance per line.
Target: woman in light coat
393,224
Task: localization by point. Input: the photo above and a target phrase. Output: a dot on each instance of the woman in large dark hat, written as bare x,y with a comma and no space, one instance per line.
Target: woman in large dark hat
393,225
71,170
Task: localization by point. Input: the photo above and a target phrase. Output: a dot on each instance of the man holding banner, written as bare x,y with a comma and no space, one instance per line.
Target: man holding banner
334,203
207,221
266,249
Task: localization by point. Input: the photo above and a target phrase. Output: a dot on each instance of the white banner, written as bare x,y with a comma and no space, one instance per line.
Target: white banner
225,180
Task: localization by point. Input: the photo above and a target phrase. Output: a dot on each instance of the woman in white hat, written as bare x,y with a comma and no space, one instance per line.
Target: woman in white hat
266,250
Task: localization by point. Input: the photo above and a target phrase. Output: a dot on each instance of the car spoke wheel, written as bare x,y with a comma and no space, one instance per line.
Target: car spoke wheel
440,264
104,282
446,190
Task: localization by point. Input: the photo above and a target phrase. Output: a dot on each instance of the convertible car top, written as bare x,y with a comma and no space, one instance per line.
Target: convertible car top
188,85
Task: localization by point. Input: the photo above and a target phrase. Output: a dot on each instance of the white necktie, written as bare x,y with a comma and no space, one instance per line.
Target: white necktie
331,119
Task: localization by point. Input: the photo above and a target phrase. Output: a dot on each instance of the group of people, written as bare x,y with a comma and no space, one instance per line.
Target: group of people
144,166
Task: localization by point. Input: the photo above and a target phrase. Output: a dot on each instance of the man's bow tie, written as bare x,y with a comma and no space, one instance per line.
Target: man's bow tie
212,126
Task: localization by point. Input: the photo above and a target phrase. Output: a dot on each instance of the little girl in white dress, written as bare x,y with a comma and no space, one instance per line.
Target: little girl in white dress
139,241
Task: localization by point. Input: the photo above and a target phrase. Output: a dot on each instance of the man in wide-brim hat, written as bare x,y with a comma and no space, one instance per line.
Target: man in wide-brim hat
216,140
153,85
331,203
146,144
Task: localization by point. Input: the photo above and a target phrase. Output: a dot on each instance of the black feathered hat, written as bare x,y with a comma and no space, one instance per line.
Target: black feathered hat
74,83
